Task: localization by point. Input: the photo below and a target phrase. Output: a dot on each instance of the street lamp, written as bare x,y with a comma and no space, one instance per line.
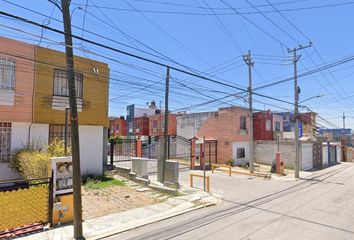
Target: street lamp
317,96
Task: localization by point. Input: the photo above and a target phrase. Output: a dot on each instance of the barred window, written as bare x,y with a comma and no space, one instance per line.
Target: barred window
61,84
7,73
5,141
241,153
58,132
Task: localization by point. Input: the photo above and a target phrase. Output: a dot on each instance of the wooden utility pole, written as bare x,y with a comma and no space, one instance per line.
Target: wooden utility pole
248,60
65,5
165,146
296,109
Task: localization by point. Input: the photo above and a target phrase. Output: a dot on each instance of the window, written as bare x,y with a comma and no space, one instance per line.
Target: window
268,125
243,125
240,153
117,127
58,132
130,127
277,126
5,141
7,73
61,84
154,124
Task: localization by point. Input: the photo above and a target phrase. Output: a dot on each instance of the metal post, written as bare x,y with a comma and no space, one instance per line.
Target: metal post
51,199
165,147
203,160
296,109
248,60
111,152
66,131
296,113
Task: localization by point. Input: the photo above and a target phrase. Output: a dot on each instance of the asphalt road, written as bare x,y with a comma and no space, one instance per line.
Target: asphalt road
321,206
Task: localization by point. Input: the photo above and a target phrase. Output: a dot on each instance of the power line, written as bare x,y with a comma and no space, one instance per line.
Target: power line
309,72
135,56
226,13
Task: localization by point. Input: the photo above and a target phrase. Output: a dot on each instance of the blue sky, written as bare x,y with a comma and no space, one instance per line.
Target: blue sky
202,34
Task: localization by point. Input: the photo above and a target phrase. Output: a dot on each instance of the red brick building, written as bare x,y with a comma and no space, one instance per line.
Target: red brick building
266,125
230,127
157,122
140,126
118,126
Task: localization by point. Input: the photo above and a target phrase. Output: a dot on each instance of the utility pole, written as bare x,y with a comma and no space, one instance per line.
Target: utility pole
248,60
165,146
65,5
343,120
296,110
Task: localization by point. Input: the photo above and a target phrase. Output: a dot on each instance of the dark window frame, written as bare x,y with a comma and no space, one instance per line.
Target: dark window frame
57,131
79,79
241,153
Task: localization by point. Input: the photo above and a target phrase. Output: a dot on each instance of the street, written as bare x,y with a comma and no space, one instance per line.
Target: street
318,206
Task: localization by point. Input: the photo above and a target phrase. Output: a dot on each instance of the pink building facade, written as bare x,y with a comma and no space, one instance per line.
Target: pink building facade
16,98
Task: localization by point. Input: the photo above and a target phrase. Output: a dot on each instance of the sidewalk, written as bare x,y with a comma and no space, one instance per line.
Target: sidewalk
105,226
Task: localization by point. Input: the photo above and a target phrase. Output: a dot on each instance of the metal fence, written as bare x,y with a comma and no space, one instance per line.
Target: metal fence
122,151
25,205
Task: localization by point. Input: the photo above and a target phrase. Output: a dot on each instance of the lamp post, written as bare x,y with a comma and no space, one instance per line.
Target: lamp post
317,96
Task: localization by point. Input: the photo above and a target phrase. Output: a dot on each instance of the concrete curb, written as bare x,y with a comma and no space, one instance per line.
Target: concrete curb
114,231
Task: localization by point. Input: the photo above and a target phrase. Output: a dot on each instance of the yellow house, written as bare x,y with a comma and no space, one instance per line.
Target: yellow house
51,99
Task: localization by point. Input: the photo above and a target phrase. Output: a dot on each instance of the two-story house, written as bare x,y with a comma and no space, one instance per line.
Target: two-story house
118,126
34,95
138,119
228,127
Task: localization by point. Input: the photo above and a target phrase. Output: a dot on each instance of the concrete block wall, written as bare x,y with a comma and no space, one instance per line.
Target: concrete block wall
264,152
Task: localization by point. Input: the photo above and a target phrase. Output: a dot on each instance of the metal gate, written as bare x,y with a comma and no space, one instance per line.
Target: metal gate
25,205
122,151
150,148
179,149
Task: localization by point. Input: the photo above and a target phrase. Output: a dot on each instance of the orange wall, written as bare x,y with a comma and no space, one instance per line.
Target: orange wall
22,109
172,125
95,89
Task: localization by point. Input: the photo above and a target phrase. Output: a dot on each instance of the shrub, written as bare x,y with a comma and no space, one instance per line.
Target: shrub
115,139
245,165
229,162
32,162
57,148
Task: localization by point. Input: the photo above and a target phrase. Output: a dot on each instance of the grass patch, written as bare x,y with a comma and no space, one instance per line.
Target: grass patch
102,182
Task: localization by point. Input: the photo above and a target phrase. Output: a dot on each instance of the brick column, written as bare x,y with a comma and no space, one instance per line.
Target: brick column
192,153
139,151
